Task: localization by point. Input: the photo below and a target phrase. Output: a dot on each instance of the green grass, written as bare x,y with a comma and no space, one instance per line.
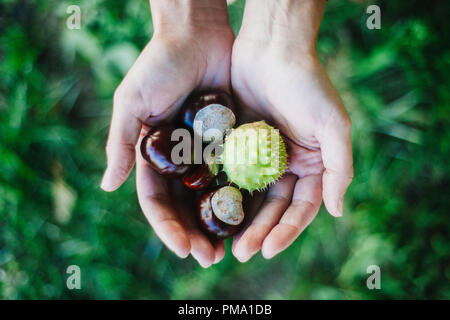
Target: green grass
56,88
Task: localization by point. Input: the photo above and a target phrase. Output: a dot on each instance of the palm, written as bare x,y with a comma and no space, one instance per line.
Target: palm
171,67
293,92
278,93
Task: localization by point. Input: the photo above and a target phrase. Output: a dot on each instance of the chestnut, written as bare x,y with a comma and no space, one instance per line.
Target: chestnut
201,176
212,122
198,101
220,212
156,148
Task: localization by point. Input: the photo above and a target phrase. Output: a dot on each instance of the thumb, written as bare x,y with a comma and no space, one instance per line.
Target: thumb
120,148
336,147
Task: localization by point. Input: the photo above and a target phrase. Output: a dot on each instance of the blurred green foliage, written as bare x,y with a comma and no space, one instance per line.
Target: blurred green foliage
56,87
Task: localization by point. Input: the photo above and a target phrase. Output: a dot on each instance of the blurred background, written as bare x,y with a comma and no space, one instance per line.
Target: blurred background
56,88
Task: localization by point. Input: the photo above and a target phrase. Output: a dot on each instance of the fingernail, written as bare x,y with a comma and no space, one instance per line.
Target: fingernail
183,254
340,208
242,252
203,261
204,264
268,250
217,259
268,255
106,183
242,258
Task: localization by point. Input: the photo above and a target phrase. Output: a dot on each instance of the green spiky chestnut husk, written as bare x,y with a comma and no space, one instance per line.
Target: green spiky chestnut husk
254,156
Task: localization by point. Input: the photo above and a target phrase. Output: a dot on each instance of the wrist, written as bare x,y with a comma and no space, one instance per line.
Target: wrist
189,15
283,22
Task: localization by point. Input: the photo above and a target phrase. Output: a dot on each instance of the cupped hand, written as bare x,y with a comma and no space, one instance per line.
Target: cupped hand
175,63
279,82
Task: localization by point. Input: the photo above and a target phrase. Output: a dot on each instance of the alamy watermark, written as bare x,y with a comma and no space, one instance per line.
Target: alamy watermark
74,20
74,279
374,20
374,280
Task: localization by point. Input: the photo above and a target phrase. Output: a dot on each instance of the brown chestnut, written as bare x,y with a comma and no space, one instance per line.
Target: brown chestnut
201,176
156,148
220,212
198,101
213,121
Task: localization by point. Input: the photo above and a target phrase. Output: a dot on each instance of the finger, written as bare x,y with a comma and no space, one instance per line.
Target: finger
156,204
336,146
219,251
304,207
252,203
202,249
277,200
120,147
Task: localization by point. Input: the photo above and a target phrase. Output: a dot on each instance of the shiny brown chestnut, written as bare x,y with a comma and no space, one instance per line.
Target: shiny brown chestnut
201,176
198,101
220,212
156,148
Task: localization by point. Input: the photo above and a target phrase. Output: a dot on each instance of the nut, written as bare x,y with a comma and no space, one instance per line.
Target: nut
198,101
254,156
220,212
213,121
156,148
201,176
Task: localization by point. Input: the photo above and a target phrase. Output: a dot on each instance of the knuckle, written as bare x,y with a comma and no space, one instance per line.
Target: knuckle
119,148
338,122
276,198
347,123
120,99
123,170
118,94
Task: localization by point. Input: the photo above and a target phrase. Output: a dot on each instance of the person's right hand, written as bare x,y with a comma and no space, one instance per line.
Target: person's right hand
188,52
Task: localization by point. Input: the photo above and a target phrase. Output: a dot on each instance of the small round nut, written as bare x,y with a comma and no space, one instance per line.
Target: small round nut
156,148
220,212
227,205
201,176
198,101
213,121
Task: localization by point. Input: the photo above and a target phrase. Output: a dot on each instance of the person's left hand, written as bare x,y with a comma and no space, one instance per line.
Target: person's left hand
281,80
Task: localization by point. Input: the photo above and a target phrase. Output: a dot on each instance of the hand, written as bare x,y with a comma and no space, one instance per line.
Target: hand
277,76
190,50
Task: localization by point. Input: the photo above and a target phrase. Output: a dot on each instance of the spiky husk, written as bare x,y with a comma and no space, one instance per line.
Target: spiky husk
254,162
